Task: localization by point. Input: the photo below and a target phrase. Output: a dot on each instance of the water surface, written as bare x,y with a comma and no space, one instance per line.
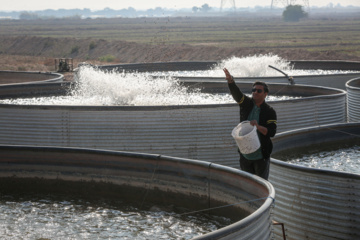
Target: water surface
344,159
58,217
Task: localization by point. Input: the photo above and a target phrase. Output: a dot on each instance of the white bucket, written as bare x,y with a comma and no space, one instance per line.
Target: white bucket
246,137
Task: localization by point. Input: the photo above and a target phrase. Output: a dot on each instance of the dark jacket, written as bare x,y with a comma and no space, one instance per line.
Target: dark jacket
267,117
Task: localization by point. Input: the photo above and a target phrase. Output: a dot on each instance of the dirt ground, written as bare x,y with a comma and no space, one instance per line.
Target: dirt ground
29,54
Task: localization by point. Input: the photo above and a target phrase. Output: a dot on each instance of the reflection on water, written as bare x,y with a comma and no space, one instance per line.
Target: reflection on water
44,217
343,160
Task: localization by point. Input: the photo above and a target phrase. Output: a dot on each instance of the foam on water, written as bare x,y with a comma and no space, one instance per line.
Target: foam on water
53,217
343,160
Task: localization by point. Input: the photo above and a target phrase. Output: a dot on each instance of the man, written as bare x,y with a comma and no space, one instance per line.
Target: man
261,115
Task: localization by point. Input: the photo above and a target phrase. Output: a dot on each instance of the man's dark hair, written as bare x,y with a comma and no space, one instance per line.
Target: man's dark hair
266,87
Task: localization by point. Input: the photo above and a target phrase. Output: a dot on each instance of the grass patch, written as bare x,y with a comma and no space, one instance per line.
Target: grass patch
92,45
107,58
75,50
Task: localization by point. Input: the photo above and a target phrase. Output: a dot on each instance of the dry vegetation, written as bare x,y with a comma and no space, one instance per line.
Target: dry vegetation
33,45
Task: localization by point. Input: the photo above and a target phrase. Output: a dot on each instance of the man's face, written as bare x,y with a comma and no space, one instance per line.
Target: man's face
258,93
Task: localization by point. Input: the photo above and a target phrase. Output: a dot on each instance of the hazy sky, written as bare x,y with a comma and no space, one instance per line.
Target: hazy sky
31,5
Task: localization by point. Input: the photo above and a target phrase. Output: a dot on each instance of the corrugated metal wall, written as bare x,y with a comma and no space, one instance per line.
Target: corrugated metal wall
195,185
11,77
315,203
160,66
195,132
312,111
206,65
331,80
326,65
353,100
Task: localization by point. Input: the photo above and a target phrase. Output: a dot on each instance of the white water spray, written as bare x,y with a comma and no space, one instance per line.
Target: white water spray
137,89
253,66
98,88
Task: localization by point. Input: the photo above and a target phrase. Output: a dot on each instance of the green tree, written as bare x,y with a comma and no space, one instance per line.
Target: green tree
205,8
195,9
28,16
293,13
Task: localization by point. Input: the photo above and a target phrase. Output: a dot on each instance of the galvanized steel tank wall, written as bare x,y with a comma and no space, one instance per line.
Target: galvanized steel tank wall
11,77
206,65
326,65
330,80
159,66
197,132
315,203
160,180
353,100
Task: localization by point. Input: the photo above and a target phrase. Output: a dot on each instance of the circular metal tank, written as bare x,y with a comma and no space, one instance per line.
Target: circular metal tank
135,177
353,100
193,131
330,80
315,203
11,77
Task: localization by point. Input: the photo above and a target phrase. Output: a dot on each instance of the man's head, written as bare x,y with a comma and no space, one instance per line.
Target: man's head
259,92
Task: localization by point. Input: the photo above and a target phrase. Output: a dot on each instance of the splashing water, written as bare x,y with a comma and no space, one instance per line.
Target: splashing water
253,66
57,217
140,89
343,160
98,88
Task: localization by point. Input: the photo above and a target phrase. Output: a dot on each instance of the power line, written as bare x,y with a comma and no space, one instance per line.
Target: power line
284,3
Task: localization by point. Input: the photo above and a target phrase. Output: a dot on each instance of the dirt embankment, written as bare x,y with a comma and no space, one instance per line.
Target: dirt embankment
130,52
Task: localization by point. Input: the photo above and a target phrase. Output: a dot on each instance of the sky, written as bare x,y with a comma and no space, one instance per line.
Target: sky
33,5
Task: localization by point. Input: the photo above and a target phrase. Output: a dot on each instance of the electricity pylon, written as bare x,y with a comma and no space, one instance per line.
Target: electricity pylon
285,3
306,3
232,2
